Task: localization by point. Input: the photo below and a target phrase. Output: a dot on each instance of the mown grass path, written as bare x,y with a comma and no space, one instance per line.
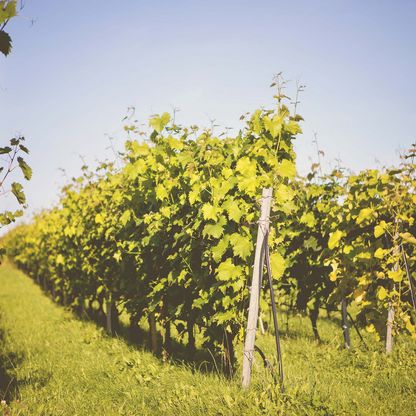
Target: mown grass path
52,363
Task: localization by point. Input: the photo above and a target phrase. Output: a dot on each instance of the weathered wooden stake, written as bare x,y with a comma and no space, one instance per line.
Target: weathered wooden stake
345,326
134,331
253,311
65,297
109,310
191,347
389,333
153,332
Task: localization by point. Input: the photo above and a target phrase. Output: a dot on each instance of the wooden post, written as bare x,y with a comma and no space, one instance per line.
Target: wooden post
65,297
389,333
167,341
153,332
253,311
228,356
111,317
345,327
191,347
134,330
108,311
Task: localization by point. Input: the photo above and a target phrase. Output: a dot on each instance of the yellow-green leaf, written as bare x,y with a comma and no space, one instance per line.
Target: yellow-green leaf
125,218
380,229
99,219
209,211
278,265
233,210
213,230
246,167
308,219
159,122
381,293
408,238
228,271
380,253
286,169
334,239
364,214
161,192
274,125
395,275
220,248
241,245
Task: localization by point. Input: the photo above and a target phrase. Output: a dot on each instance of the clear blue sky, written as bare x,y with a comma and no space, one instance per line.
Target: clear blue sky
73,73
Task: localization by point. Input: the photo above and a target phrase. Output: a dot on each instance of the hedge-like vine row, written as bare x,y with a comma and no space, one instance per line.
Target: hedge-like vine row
171,233
169,236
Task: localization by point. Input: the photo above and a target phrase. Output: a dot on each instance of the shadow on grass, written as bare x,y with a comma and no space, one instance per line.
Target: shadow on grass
291,329
200,360
9,363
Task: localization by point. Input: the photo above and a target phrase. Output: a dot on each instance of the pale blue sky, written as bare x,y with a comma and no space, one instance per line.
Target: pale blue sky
73,73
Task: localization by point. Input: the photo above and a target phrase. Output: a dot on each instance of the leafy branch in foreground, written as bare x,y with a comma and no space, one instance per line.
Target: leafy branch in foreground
8,10
11,159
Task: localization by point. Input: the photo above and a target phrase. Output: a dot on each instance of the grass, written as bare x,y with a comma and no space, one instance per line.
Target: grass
52,363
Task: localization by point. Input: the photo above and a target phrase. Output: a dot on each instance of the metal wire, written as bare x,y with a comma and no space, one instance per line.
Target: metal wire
274,312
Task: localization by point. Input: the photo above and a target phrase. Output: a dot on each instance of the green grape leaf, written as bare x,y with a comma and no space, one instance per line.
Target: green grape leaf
379,231
159,122
286,169
233,210
17,191
125,217
308,219
209,211
99,218
381,293
5,150
334,239
242,246
213,230
395,275
364,214
293,127
228,271
274,125
408,238
5,43
161,192
278,265
219,250
246,167
380,253
25,168
7,10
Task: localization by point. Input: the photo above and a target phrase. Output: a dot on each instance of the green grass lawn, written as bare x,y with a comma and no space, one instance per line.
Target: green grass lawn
53,363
